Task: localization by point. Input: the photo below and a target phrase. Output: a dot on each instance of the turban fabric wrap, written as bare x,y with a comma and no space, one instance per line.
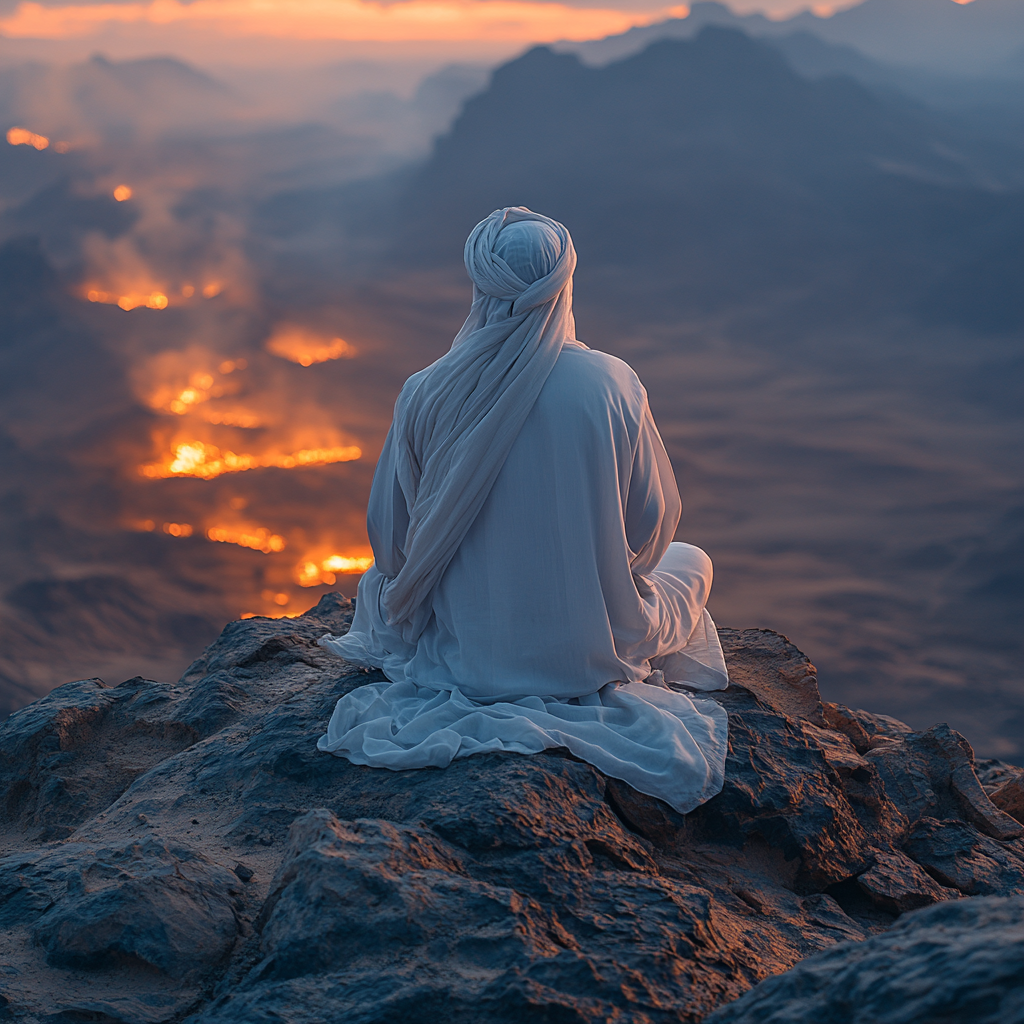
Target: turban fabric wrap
456,421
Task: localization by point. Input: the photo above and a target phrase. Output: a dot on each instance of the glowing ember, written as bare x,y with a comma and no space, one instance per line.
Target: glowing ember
23,137
302,347
206,461
232,418
178,529
122,192
151,300
313,574
343,564
200,388
181,398
258,538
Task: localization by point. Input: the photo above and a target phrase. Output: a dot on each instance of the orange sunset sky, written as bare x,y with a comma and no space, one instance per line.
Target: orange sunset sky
171,25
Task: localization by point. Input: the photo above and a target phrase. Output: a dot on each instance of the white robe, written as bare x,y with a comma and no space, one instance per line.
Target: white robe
565,594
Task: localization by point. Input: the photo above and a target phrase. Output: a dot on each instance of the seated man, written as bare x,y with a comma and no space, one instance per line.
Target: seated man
526,592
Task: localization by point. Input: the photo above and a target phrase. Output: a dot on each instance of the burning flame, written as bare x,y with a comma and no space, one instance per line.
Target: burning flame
172,529
305,348
206,461
152,300
232,418
122,192
258,538
313,574
23,137
200,388
183,397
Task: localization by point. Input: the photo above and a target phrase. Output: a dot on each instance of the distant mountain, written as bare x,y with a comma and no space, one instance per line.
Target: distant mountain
707,171
983,38
113,99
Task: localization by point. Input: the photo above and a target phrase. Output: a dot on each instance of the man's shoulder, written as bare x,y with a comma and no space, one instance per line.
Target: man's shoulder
581,366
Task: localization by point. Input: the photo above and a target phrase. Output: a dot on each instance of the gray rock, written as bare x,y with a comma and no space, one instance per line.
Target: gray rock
164,906
781,789
214,866
959,962
958,856
949,761
897,884
71,754
1009,797
905,779
863,728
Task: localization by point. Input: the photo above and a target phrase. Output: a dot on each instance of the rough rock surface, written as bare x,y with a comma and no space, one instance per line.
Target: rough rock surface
184,853
958,963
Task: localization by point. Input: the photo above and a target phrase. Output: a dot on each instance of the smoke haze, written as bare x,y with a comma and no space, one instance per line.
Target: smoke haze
215,279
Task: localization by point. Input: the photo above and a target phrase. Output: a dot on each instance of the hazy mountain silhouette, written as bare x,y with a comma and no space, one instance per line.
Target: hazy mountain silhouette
121,100
707,171
980,38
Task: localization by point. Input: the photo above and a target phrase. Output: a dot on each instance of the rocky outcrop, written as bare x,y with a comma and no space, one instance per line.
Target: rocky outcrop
958,962
184,853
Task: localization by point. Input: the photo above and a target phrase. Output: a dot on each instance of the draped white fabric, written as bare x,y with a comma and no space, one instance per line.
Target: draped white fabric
530,598
456,420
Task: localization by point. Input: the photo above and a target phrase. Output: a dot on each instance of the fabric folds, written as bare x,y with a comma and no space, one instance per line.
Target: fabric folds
661,742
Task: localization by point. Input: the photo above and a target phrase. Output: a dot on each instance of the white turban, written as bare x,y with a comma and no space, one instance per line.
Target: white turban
456,421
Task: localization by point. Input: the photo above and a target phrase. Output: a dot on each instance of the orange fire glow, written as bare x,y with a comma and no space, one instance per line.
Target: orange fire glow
326,571
122,192
257,538
206,461
181,392
23,137
151,300
178,529
298,345
232,418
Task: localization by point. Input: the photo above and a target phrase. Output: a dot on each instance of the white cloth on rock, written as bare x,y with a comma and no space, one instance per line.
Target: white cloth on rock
563,591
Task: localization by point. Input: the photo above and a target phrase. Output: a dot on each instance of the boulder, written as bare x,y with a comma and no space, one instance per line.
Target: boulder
1009,797
164,906
896,884
952,962
184,852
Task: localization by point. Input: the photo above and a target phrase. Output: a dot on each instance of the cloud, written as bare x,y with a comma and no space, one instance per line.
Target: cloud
348,20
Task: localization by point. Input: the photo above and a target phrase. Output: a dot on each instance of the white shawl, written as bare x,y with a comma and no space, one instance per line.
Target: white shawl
456,421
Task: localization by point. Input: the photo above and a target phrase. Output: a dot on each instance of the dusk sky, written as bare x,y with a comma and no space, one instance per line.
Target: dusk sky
485,25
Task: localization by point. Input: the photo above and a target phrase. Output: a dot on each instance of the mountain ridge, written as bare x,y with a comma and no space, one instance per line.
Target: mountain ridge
982,37
719,156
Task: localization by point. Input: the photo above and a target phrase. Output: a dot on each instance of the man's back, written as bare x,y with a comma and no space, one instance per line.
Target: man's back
540,593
